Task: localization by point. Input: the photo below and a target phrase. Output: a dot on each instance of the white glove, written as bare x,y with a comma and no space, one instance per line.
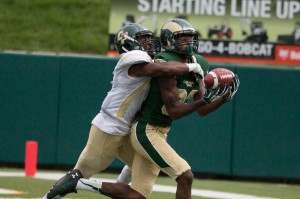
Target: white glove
196,68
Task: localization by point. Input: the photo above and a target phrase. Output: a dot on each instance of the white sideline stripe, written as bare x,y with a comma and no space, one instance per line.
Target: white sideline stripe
9,191
208,193
156,188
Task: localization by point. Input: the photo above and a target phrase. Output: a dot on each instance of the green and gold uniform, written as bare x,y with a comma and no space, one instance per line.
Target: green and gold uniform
153,110
149,132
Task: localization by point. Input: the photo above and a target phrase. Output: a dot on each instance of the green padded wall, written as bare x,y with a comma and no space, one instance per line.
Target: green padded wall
84,84
28,105
267,126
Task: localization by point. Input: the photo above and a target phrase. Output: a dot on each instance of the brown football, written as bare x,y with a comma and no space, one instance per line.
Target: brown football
218,76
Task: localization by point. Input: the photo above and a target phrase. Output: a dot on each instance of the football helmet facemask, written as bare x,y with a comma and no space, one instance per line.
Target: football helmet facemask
175,28
129,38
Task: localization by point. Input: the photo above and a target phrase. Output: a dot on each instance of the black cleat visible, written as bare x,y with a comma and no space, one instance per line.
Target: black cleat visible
65,185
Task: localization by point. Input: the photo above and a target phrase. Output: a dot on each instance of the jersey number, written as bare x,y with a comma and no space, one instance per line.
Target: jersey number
183,96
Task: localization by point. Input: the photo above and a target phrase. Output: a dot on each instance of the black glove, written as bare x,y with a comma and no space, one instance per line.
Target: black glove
233,88
211,95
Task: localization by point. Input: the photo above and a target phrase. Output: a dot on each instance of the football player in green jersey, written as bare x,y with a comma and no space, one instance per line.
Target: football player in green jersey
165,103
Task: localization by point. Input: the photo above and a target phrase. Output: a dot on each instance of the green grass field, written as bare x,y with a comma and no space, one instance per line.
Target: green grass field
57,26
29,187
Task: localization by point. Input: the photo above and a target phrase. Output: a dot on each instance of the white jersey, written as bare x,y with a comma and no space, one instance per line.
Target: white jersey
125,98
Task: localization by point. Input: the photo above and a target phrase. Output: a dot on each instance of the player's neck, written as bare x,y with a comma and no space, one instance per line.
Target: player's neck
183,58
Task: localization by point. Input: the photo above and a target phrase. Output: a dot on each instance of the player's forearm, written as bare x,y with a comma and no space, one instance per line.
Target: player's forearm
209,108
158,69
170,68
182,110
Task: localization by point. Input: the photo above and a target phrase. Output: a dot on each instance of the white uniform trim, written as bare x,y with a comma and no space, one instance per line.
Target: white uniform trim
125,97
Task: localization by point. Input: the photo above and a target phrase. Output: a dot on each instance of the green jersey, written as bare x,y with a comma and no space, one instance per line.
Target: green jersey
153,110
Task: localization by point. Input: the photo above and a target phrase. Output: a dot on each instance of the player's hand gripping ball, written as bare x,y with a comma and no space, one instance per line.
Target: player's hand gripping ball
218,76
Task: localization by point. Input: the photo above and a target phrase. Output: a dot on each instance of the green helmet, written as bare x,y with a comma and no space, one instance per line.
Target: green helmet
126,39
174,29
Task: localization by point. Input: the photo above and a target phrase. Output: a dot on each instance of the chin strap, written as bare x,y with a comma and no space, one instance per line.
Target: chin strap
123,48
189,50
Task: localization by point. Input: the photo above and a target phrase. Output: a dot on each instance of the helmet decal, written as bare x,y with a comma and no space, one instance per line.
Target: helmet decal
121,36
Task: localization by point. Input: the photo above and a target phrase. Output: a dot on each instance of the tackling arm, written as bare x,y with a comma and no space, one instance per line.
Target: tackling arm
160,69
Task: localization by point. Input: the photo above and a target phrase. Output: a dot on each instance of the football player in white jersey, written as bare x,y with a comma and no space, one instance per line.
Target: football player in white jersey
108,134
